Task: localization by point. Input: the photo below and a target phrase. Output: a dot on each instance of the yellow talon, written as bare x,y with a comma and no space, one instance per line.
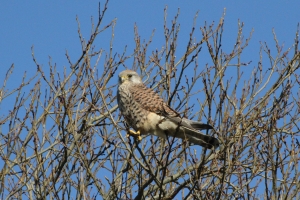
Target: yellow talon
134,134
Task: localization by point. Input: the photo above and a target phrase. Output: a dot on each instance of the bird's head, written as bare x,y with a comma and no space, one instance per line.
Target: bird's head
129,76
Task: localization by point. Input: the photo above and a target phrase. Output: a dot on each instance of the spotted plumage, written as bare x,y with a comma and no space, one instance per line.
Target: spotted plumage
147,113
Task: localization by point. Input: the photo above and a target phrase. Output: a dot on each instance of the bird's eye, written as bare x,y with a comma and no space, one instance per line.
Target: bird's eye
129,75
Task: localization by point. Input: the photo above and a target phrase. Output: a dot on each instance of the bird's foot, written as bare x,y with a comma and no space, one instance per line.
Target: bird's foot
134,134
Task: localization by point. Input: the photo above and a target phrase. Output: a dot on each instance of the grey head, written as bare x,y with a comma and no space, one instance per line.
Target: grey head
129,76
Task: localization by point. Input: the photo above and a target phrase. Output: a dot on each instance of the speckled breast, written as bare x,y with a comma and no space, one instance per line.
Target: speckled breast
131,110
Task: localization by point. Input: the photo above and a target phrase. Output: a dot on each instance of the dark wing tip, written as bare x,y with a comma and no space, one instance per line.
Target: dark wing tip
214,142
200,126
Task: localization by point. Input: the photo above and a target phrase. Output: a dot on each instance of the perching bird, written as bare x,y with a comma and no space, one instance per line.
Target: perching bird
147,113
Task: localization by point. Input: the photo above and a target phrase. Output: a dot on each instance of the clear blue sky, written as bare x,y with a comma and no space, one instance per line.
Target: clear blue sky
50,27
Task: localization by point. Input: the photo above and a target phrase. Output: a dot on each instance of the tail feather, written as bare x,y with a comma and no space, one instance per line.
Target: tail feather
209,142
200,126
196,125
189,130
201,139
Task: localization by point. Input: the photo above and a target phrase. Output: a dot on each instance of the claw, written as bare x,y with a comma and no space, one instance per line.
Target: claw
134,134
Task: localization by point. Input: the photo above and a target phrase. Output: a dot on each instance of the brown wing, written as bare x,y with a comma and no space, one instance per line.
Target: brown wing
150,101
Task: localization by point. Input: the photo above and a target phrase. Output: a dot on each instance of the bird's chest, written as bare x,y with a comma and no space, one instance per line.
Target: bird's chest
131,110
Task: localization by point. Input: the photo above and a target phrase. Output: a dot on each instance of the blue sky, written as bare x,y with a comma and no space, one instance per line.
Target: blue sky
50,27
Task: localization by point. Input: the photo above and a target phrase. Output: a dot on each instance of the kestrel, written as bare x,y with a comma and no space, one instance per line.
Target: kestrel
147,113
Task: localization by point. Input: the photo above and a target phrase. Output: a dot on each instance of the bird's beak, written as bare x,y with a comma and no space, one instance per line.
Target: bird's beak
122,79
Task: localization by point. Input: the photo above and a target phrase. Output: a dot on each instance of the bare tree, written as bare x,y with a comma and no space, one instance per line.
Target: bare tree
65,139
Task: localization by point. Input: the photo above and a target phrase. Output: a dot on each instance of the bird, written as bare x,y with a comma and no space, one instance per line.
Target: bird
147,113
